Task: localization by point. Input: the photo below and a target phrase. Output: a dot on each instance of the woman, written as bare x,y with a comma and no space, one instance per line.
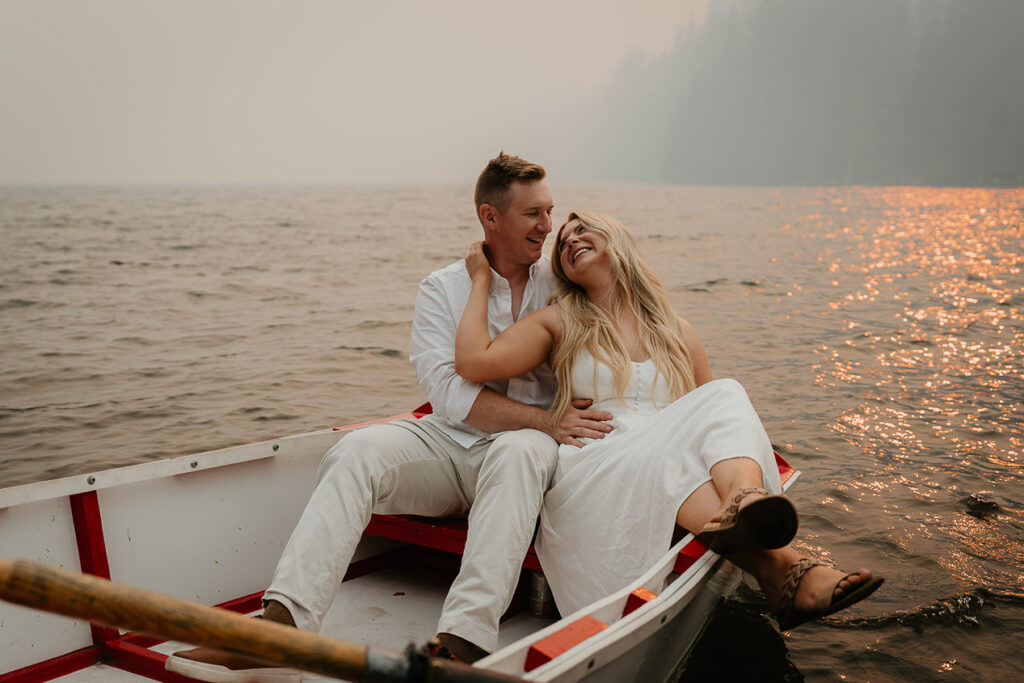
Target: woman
685,450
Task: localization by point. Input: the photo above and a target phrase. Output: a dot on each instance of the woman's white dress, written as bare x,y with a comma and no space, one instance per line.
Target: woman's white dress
610,514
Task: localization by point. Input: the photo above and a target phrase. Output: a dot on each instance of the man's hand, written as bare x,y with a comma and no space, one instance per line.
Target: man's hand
578,422
494,412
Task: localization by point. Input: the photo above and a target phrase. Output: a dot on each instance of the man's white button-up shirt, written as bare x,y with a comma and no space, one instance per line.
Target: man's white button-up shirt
439,305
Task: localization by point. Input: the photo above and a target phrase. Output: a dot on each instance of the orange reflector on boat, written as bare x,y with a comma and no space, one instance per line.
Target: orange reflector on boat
546,649
690,553
637,599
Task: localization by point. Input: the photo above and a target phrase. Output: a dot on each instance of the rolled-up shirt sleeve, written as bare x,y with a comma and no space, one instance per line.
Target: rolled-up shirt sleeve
432,352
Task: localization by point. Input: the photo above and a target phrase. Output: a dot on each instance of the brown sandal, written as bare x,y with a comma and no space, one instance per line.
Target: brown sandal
768,523
789,617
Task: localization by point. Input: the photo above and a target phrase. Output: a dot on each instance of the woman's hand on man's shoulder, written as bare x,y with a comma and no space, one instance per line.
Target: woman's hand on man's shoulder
476,261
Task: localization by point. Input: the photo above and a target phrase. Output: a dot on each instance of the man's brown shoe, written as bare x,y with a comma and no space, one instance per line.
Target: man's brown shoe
450,646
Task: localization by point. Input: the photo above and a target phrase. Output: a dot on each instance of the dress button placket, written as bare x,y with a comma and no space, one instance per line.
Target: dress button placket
638,376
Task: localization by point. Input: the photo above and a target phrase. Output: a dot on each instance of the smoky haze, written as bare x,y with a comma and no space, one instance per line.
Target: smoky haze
666,91
304,91
923,92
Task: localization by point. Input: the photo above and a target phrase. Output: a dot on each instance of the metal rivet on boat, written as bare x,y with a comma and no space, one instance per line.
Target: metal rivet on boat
91,480
194,464
663,618
590,664
276,446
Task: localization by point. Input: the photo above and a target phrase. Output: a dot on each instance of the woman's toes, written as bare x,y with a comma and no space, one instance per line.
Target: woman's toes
818,588
851,582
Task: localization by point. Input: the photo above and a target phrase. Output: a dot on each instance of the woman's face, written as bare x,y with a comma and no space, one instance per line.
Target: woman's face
581,250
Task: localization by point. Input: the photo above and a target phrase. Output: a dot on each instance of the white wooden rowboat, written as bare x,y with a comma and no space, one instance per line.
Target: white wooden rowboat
209,528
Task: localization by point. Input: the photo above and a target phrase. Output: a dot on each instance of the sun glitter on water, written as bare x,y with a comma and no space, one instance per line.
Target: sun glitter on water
934,352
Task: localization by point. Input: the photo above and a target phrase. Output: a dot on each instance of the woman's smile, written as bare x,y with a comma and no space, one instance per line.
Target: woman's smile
578,251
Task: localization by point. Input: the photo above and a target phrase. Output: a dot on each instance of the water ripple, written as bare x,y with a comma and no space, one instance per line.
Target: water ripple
878,331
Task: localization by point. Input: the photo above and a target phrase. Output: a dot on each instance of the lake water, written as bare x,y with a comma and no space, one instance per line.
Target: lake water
879,332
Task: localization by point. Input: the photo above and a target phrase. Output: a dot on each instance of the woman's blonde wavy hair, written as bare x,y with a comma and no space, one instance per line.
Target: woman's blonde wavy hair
586,325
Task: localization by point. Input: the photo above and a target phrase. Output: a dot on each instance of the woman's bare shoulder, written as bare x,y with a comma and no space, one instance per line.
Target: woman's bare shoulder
689,330
698,354
547,317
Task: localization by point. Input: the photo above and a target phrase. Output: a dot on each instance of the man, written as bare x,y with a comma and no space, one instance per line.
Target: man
488,450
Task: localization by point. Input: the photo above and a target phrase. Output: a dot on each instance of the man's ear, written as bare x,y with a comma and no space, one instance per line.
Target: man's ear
488,216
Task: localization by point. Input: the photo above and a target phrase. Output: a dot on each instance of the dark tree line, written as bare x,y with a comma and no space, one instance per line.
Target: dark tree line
781,92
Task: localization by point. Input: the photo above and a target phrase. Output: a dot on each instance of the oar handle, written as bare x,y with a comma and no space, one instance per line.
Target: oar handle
100,601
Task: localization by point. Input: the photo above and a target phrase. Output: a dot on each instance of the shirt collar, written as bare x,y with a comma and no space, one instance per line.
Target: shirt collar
496,277
542,261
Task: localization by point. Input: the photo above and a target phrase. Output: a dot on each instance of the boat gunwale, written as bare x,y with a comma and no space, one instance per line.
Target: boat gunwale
669,602
166,467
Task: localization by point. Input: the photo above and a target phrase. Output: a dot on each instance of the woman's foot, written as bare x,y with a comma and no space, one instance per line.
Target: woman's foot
811,591
753,520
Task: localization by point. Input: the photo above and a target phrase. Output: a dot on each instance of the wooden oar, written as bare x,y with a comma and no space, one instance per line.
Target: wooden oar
100,601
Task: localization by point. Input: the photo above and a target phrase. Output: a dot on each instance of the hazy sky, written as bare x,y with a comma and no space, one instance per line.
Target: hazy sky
306,91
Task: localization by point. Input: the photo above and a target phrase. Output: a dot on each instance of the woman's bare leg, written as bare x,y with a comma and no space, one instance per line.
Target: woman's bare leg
769,567
729,476
699,508
711,498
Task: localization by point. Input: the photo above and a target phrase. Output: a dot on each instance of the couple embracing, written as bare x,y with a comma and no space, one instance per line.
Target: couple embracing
596,413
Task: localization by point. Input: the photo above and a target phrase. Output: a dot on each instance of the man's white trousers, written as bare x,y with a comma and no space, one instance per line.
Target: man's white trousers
411,467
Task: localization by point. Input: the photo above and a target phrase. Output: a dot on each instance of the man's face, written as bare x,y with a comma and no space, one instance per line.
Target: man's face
517,235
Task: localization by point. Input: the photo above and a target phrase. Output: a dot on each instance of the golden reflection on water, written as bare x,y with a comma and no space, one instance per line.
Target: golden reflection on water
931,296
946,271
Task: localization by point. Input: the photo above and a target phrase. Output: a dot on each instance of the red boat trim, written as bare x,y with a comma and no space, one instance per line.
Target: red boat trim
637,599
140,661
92,549
54,668
546,649
785,469
128,651
245,604
141,639
448,535
425,409
690,553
